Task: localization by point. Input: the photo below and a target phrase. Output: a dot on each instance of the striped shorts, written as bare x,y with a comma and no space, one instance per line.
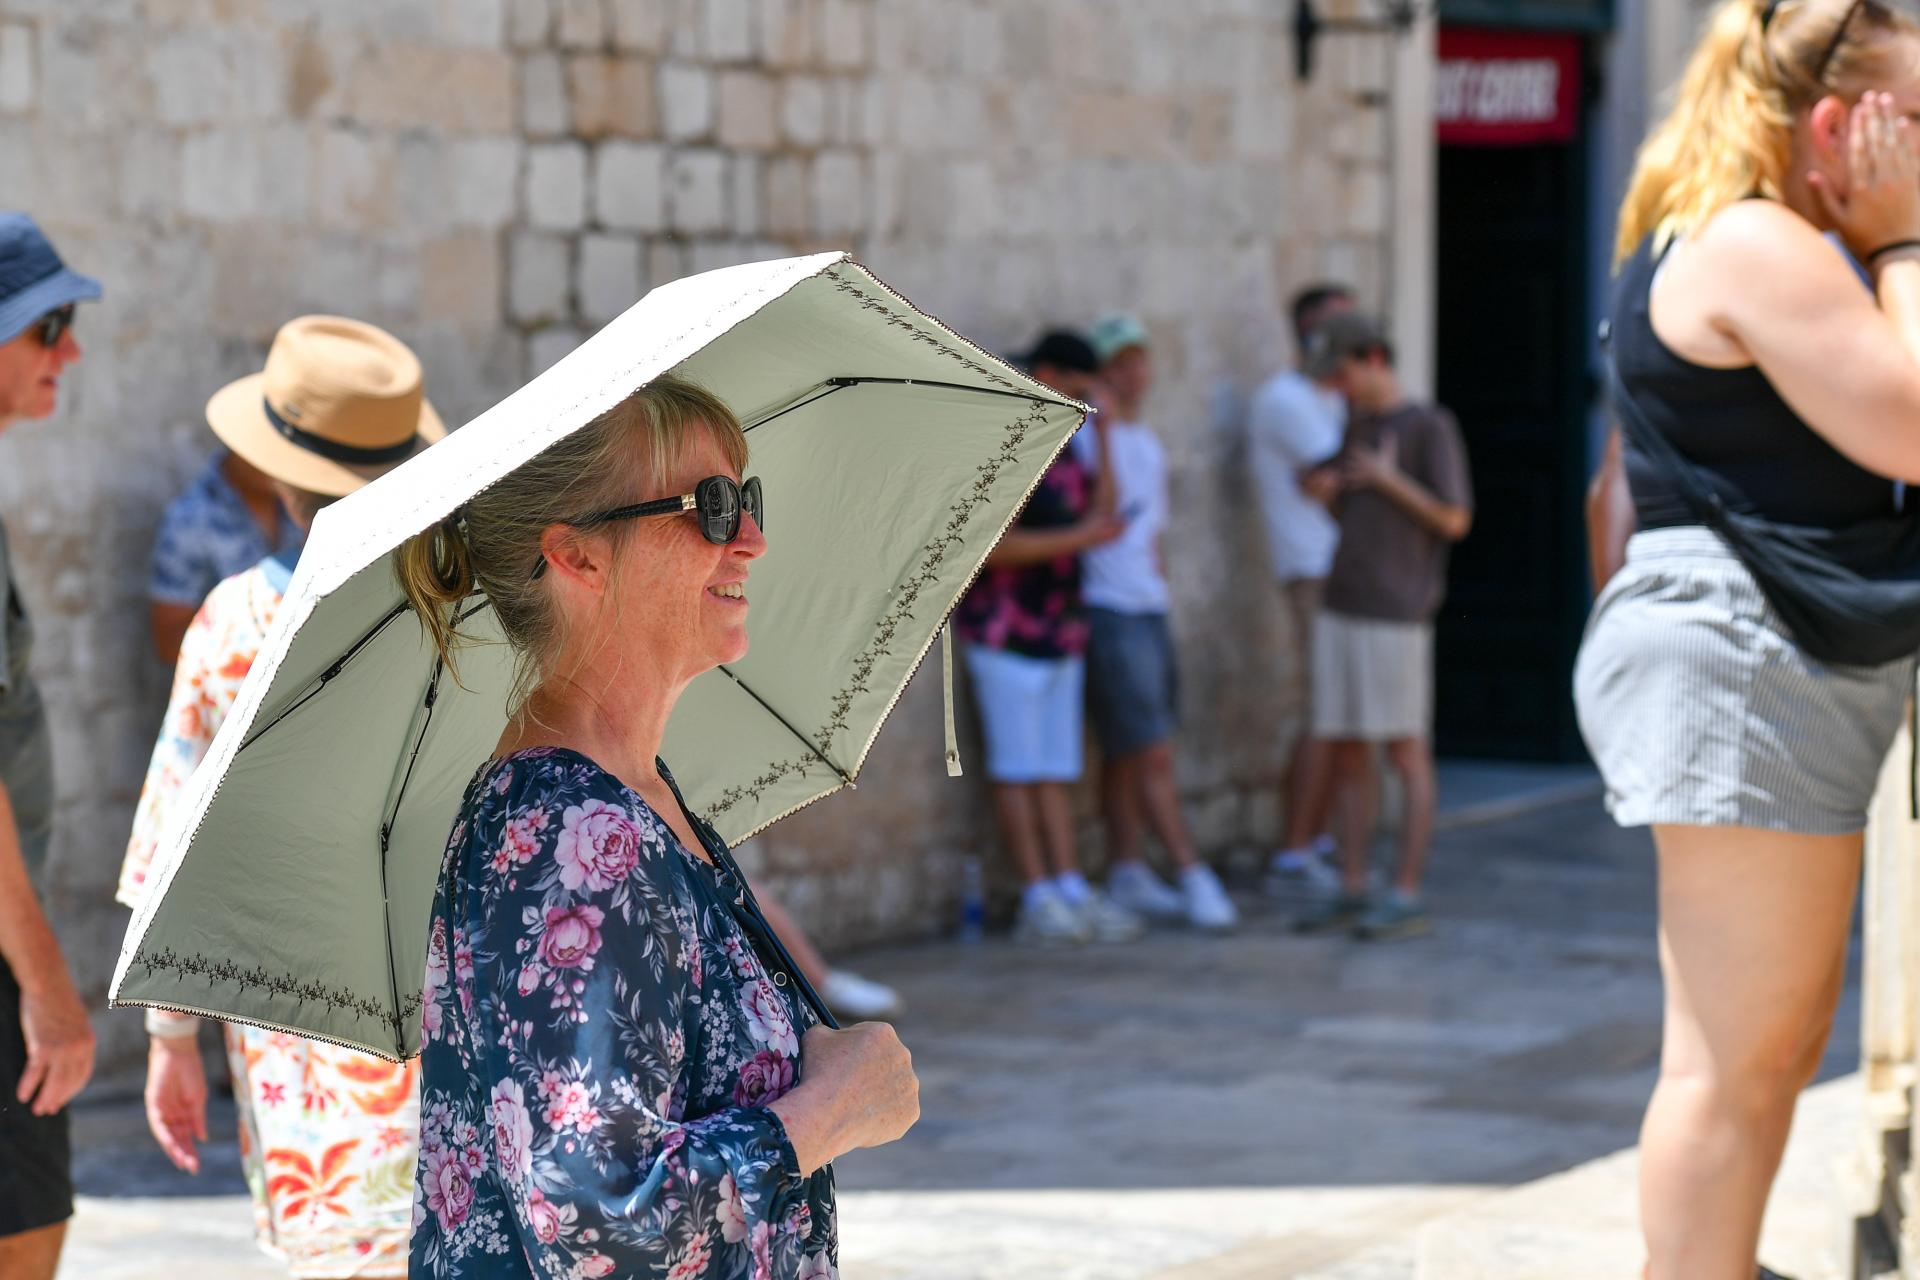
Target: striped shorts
1701,711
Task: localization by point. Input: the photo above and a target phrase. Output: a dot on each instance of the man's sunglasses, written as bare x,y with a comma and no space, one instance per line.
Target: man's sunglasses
717,501
53,326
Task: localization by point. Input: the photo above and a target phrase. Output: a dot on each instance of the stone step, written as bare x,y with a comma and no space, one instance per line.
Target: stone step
1584,1224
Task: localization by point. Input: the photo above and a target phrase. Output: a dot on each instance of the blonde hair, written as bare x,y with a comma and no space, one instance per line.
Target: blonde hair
1730,132
492,544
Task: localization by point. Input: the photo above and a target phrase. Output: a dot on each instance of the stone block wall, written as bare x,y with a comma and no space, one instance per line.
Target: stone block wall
492,179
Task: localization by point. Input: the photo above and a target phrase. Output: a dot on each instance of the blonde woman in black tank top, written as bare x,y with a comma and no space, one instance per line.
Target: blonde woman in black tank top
1812,106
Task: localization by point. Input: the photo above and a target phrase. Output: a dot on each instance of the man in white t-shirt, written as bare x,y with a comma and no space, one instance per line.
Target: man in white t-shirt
1131,676
1295,425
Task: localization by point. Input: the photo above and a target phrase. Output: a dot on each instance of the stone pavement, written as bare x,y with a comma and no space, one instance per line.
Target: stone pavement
1583,1224
1207,1109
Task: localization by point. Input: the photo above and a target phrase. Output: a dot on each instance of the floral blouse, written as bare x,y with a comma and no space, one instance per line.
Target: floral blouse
1035,609
599,1043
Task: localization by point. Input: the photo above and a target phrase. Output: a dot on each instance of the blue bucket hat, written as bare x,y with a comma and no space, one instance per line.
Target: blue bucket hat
33,280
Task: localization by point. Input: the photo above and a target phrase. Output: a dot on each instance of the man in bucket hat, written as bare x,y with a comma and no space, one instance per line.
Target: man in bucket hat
46,1042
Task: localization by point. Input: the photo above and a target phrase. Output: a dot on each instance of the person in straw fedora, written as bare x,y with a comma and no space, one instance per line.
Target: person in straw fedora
328,1136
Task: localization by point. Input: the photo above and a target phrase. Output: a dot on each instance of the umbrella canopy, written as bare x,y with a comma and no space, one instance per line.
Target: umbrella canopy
295,888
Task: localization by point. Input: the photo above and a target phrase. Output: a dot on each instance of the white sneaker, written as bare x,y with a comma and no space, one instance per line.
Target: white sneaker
1297,873
1047,921
860,999
1134,886
1107,921
1206,901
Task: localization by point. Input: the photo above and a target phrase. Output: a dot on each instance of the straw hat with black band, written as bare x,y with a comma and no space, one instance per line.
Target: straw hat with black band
339,402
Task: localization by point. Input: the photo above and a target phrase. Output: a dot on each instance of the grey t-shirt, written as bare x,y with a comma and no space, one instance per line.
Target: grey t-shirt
1390,567
26,753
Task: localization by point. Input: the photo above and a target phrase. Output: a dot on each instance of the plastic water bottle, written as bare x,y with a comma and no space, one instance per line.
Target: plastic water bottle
973,900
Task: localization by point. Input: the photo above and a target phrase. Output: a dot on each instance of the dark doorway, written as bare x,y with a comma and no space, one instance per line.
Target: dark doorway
1512,363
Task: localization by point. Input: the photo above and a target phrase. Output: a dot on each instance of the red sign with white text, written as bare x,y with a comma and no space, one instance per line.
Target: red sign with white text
1506,89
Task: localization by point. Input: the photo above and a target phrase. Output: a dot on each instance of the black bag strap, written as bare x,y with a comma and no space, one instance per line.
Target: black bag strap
746,908
1708,507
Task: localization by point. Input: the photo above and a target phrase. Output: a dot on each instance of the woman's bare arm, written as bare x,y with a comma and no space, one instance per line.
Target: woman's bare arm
1610,517
1760,284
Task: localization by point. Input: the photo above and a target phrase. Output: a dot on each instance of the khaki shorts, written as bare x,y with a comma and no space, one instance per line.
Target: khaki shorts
1372,680
1302,596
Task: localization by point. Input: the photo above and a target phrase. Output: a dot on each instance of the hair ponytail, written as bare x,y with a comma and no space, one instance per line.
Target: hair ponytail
1729,134
435,569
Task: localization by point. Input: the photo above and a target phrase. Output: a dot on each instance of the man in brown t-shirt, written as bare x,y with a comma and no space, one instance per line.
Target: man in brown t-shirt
1401,492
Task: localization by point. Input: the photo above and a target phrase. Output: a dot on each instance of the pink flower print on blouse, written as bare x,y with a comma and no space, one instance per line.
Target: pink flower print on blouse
729,1213
512,1129
571,1104
599,846
449,1187
767,1018
549,1220
521,843
766,1077
572,937
432,1017
692,1263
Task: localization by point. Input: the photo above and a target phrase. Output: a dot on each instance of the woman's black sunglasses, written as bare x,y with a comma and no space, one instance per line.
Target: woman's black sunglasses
53,326
717,501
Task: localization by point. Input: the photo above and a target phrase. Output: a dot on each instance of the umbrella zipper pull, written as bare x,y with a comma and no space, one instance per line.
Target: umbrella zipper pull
946,688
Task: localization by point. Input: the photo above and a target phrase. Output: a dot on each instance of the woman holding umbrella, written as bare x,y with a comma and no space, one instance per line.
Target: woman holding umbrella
613,1077
326,1133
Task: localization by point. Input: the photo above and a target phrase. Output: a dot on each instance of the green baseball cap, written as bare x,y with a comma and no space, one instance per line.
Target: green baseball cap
1115,332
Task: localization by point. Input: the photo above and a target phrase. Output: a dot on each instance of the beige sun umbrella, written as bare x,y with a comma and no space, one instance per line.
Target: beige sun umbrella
295,890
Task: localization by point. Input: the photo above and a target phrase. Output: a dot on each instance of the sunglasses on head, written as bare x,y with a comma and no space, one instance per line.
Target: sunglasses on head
718,502
53,326
1833,45
1881,7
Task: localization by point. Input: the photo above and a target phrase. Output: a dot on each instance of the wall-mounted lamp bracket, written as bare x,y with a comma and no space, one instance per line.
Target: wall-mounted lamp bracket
1309,26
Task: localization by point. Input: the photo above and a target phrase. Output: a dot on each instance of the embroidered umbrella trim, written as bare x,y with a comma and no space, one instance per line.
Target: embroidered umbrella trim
906,595
226,971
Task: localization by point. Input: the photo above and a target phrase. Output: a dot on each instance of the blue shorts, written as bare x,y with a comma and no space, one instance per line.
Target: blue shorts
1133,681
1030,714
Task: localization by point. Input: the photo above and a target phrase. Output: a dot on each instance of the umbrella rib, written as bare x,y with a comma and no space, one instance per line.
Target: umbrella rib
946,386
386,843
832,385
788,724
841,383
339,664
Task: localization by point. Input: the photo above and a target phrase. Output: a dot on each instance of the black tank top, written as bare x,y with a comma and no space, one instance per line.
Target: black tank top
1745,440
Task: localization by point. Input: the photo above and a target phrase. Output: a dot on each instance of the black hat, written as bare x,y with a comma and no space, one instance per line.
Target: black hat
1063,349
